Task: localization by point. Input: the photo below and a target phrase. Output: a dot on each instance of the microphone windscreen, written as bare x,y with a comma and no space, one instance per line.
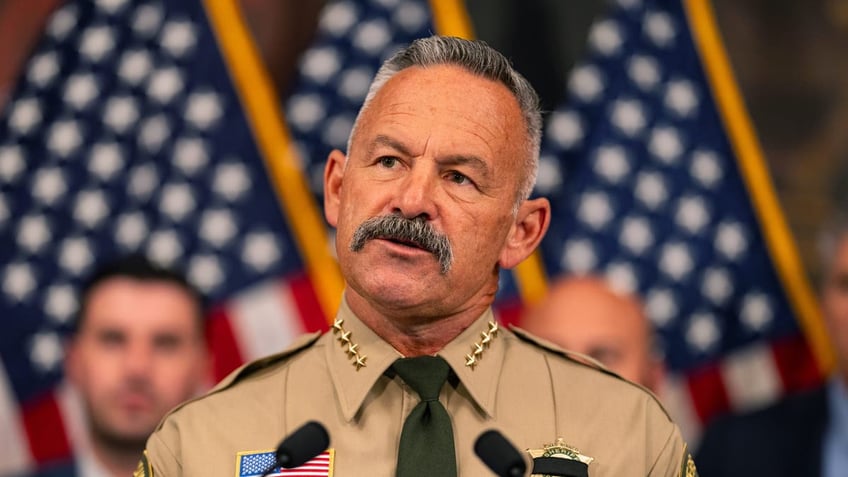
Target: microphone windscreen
499,454
303,445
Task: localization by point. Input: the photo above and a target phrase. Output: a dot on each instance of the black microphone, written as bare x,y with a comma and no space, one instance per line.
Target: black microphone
301,446
499,454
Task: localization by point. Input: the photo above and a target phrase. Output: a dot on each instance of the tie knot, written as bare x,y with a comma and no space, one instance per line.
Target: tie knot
424,374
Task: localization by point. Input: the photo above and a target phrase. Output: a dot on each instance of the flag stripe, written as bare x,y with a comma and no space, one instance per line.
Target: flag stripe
707,386
45,430
789,354
751,378
264,320
14,454
307,303
508,312
744,142
226,356
73,417
252,464
254,88
678,401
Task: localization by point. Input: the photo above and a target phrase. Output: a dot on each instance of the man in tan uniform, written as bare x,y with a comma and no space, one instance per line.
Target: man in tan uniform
429,203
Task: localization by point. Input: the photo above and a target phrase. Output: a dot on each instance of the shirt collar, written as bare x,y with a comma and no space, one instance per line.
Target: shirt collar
352,385
88,466
481,379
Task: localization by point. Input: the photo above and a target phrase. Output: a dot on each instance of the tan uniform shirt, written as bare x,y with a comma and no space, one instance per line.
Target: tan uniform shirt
532,394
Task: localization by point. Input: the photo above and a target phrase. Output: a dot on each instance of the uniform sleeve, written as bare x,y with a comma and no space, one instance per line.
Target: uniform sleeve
674,459
163,457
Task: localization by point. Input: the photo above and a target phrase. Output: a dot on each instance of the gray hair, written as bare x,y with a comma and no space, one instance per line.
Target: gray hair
480,59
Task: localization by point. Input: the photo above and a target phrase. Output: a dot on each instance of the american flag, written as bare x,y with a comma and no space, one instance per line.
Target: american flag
149,125
651,189
255,465
126,133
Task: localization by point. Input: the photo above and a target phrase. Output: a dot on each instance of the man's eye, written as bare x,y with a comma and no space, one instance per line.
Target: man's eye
111,338
388,162
458,178
167,342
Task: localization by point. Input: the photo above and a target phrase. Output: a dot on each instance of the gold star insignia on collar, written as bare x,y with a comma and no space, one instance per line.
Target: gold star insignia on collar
343,336
477,349
360,362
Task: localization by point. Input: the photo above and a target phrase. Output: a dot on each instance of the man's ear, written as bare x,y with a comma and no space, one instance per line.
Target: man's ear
531,223
333,175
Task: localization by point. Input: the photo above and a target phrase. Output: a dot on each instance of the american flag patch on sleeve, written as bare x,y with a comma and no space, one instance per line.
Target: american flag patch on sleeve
255,463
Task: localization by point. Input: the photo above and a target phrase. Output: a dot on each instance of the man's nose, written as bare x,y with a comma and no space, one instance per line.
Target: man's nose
416,194
139,359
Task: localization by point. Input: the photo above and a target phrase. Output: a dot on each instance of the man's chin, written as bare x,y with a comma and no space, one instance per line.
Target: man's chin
127,442
128,436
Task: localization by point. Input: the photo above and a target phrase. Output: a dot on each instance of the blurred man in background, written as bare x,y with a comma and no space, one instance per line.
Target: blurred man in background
137,350
586,315
805,434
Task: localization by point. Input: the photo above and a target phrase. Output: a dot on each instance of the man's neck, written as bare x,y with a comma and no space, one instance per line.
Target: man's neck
411,335
115,460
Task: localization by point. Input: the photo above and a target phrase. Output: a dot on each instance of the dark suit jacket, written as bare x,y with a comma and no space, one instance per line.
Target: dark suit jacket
782,440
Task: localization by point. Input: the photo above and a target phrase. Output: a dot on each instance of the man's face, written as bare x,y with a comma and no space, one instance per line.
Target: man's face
444,146
585,316
139,352
835,304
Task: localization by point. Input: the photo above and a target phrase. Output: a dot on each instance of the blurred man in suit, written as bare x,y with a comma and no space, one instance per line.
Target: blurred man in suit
588,316
137,350
805,434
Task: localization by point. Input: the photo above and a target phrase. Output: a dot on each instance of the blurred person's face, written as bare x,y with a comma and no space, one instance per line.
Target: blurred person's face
835,304
585,316
139,352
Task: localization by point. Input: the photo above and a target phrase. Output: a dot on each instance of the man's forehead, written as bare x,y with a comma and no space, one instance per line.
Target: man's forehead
417,84
122,298
446,98
133,286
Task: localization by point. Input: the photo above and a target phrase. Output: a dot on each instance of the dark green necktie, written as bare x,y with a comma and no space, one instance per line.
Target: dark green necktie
426,443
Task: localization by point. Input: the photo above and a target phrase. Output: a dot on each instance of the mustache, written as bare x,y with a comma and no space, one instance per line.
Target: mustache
417,231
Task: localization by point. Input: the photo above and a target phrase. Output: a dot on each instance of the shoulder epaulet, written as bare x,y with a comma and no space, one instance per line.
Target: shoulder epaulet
300,344
578,358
